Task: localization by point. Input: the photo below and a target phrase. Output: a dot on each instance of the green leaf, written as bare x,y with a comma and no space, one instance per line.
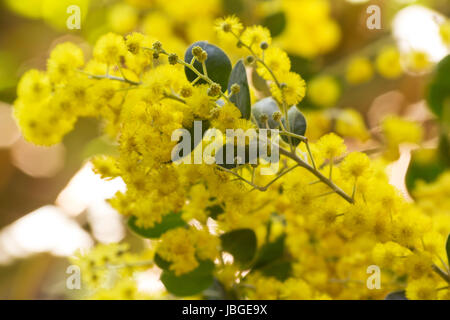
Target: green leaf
297,125
241,244
266,106
169,221
425,165
396,295
275,22
269,252
438,96
191,283
242,98
447,248
279,269
218,65
214,211
160,262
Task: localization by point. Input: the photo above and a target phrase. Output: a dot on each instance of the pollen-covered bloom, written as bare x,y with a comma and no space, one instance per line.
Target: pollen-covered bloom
331,146
292,88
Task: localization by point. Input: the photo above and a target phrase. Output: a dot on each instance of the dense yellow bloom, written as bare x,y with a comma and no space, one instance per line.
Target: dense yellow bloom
355,165
332,231
324,91
417,61
359,70
292,91
397,131
123,18
388,63
421,289
110,48
278,62
331,146
254,36
64,60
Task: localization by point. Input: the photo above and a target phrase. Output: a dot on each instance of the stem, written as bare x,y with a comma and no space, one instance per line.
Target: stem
107,76
441,273
318,174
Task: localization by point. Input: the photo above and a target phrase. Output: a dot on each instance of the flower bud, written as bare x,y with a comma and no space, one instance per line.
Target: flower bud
277,116
173,58
214,90
264,45
235,88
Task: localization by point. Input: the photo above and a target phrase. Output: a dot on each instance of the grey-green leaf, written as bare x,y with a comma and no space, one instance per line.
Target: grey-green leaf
191,283
270,252
242,98
218,65
266,106
169,221
297,125
396,295
241,244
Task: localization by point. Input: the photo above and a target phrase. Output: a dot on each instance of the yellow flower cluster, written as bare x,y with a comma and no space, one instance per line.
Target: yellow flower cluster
337,214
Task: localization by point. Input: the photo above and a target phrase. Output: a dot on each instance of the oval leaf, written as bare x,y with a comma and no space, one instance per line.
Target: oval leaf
218,65
275,22
169,221
266,106
396,295
191,283
242,98
297,125
269,252
241,244
438,96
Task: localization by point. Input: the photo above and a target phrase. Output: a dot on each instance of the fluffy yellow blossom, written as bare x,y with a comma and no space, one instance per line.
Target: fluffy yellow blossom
324,91
331,146
292,91
254,36
278,62
388,63
355,165
110,48
64,61
359,70
421,289
229,24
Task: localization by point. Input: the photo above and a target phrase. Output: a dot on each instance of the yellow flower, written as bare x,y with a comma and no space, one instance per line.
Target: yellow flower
388,63
324,91
64,60
122,18
331,146
277,61
417,61
359,70
110,48
254,36
355,165
421,289
34,86
229,24
292,91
